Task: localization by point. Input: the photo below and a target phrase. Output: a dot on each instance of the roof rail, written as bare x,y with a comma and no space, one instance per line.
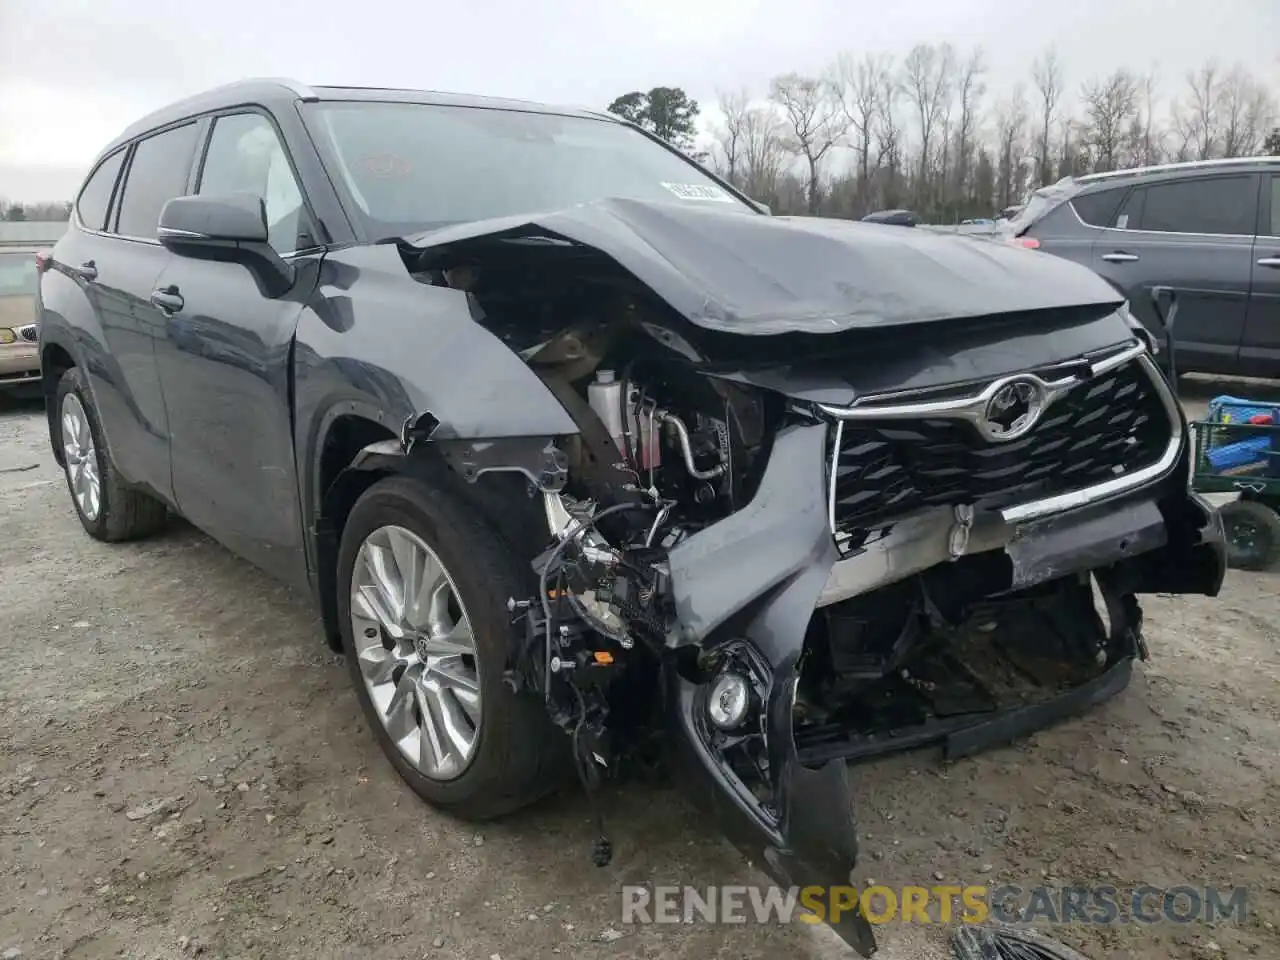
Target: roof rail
301,90
1174,167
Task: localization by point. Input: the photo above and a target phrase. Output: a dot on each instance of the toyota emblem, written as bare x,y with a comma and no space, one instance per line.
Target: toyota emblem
1012,411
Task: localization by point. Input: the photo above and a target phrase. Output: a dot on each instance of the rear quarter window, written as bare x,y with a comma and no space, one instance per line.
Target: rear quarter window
1098,209
95,198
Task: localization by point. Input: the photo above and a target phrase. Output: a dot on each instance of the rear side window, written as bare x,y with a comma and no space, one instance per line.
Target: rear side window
1213,205
157,174
95,198
1098,209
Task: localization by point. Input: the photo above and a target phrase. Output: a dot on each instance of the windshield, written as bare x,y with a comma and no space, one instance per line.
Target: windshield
411,167
17,274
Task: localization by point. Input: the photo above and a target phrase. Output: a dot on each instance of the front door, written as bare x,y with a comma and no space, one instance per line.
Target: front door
226,362
1194,235
1260,348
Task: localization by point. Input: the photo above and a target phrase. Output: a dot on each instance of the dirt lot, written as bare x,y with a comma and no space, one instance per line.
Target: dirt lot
183,769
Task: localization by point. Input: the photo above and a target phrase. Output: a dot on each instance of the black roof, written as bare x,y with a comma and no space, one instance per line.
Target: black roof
277,93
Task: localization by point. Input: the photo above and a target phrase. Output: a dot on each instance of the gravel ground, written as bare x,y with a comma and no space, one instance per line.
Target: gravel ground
183,770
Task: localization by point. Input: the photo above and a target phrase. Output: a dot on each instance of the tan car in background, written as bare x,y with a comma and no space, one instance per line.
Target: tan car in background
19,350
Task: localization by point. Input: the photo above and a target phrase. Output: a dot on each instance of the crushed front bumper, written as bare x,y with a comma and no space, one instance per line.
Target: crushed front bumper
758,576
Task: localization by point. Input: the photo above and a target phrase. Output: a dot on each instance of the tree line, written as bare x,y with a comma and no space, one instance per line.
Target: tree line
871,133
34,211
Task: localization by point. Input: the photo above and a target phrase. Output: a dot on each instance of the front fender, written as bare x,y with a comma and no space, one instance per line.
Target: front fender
377,345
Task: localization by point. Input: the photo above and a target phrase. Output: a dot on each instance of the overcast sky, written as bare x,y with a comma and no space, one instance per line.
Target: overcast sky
73,73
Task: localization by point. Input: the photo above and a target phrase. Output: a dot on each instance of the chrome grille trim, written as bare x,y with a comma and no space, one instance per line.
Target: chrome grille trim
894,406
1047,505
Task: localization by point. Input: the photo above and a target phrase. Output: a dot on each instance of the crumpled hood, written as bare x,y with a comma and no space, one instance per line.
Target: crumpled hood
747,273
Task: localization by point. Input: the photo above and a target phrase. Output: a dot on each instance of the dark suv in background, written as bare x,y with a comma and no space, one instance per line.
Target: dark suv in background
1210,230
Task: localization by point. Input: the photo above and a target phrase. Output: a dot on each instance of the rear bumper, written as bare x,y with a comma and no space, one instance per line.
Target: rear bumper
757,577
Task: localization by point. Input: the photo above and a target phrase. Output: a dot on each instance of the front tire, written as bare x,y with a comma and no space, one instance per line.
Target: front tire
423,587
108,509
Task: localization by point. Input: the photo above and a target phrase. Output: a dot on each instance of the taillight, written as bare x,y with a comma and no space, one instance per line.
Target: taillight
1030,243
44,260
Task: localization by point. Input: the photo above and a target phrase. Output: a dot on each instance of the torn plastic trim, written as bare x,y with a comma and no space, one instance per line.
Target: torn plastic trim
539,459
768,561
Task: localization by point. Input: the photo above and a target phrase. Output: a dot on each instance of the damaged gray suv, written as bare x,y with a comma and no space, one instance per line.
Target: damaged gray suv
587,460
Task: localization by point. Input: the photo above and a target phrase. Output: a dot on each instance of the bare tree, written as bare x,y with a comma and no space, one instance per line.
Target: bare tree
1011,124
1109,105
862,87
1197,119
1245,109
927,79
734,107
814,123
1147,140
762,154
1046,71
971,87
889,137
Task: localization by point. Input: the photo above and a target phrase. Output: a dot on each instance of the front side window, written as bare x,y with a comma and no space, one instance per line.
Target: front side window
1212,205
157,174
411,167
95,198
246,156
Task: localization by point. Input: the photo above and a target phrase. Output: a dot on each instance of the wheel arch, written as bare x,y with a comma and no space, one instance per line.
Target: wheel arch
498,479
55,360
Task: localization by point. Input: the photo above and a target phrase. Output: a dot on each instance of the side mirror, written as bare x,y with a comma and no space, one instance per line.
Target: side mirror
230,228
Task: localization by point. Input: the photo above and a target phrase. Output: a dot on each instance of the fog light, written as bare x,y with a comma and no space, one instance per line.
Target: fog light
730,698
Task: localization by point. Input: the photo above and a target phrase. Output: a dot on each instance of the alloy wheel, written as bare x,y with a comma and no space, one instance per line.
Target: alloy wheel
81,457
416,651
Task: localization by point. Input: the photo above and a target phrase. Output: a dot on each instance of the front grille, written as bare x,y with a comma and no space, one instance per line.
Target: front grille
30,333
886,469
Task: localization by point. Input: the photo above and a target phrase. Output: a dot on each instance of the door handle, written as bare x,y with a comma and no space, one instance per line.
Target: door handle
87,271
167,299
1119,257
1269,262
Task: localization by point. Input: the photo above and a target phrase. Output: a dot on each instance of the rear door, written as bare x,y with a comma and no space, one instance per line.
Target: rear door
1072,228
226,355
1195,235
1260,348
117,260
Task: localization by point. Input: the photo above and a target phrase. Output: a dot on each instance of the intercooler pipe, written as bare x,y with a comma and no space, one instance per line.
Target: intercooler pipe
686,448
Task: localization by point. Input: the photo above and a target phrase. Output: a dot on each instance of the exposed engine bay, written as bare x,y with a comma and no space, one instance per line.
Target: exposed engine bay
793,577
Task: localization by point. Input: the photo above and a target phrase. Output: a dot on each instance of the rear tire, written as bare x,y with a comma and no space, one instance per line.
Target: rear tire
108,508
516,755
1253,534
